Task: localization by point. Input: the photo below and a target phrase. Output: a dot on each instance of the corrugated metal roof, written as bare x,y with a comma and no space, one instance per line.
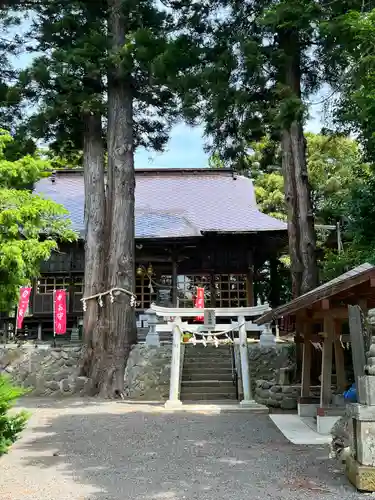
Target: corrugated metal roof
329,289
175,203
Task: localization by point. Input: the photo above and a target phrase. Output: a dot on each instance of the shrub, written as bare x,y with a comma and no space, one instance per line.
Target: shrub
10,425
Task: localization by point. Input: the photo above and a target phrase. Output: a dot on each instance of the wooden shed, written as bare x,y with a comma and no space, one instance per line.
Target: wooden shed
320,317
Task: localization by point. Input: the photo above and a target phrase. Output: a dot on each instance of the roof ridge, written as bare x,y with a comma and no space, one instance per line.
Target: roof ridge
152,170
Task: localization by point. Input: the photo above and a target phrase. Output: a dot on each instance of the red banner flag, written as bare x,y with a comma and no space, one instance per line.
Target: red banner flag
59,312
199,302
23,304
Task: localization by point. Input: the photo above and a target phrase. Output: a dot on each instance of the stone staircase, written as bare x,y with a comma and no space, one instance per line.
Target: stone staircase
207,374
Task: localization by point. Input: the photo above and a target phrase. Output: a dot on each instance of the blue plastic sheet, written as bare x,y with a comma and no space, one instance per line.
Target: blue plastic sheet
351,394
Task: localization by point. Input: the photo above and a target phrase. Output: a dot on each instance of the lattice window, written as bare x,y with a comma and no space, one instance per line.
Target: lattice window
231,290
46,286
145,295
187,288
78,285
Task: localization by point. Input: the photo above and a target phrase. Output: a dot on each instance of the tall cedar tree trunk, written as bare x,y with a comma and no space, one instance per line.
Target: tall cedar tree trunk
93,161
120,205
109,213
301,232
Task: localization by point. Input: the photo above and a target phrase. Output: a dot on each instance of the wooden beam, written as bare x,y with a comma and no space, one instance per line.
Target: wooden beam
336,312
362,302
250,287
325,304
306,361
339,359
174,281
212,290
326,378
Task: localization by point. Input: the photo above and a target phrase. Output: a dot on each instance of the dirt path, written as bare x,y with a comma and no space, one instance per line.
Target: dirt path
117,451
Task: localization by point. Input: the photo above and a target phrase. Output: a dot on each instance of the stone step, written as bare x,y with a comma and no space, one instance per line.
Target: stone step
209,363
213,386
209,384
201,396
207,352
222,367
220,377
208,359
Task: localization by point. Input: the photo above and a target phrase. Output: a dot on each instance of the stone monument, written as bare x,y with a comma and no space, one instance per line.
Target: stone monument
360,464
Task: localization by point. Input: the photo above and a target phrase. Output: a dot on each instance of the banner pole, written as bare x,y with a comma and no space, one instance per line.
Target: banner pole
17,311
53,319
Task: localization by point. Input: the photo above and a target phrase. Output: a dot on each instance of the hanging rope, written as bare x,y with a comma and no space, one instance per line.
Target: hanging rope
110,292
209,336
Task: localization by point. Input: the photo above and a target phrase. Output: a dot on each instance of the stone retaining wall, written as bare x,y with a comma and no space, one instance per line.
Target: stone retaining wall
279,396
45,372
54,371
147,372
267,362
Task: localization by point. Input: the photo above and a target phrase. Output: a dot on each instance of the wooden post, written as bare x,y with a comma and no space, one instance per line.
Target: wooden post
250,278
174,281
339,359
306,361
212,290
299,328
326,378
274,296
357,341
250,286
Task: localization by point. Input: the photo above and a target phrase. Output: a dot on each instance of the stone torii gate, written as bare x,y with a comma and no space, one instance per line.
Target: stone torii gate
211,333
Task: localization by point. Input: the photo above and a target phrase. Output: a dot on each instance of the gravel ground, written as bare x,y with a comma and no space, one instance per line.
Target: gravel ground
117,451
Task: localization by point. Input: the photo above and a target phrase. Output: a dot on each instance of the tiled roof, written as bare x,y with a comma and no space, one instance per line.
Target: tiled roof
175,203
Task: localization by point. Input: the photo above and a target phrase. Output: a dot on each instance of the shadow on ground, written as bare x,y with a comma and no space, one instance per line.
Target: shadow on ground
94,453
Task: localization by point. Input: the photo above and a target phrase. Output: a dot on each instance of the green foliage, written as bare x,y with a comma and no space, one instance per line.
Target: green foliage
343,188
269,191
69,79
30,226
10,426
359,237
349,43
335,167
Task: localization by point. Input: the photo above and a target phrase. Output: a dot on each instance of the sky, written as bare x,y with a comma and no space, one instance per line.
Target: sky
185,148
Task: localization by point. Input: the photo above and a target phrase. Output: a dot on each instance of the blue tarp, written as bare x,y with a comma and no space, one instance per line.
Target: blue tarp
351,394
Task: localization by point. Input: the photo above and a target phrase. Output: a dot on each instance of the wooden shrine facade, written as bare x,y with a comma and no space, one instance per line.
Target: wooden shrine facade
193,228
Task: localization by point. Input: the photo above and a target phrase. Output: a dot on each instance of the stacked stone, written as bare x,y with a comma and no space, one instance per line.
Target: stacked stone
360,464
276,395
266,362
49,372
147,373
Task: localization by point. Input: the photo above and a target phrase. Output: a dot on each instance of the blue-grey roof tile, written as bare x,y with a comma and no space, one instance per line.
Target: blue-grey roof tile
175,203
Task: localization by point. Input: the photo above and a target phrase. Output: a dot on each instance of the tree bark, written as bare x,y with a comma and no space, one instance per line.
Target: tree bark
121,332
109,214
307,233
292,213
302,237
93,162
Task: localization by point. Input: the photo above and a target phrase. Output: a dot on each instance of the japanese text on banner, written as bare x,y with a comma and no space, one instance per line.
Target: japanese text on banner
59,312
23,304
199,302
